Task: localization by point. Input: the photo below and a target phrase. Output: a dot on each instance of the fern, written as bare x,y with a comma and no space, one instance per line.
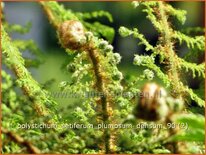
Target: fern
110,112
25,80
165,48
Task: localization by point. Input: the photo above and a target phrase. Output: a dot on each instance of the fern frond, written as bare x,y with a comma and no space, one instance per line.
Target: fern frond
196,69
124,32
195,130
57,13
193,30
6,80
179,14
148,61
99,29
25,45
151,15
24,79
197,42
195,97
95,14
17,28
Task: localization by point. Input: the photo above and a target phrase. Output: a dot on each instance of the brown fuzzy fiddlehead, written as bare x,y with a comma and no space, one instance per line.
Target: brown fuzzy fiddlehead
72,35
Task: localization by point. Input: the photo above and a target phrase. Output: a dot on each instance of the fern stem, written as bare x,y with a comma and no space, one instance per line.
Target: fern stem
30,87
169,53
93,54
19,140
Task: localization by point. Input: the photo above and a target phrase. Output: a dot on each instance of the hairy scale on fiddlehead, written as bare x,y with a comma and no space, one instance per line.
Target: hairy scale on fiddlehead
72,35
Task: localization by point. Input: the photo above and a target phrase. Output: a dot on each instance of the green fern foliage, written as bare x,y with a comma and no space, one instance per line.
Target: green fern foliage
110,112
15,61
165,48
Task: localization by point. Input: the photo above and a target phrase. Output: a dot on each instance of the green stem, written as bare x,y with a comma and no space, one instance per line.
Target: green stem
25,80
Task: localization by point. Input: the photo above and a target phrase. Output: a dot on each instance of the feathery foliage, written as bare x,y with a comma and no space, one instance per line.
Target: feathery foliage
131,122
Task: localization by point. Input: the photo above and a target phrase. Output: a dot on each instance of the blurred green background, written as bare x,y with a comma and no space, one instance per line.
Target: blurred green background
123,14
